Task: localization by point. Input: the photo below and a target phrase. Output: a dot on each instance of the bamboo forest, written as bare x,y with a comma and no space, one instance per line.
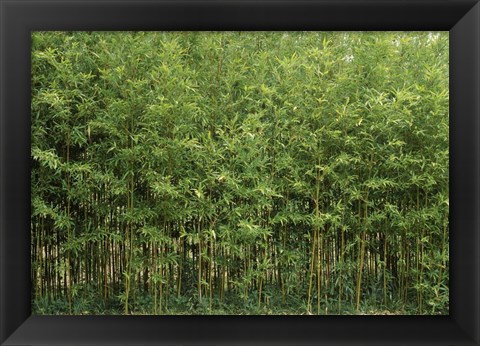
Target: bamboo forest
239,173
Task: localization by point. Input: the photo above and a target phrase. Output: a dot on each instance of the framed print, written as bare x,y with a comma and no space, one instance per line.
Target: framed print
239,172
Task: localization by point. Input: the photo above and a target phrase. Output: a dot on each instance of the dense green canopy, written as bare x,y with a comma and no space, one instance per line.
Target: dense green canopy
239,172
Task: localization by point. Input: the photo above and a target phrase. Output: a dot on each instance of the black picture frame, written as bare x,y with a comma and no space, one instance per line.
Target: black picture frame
19,17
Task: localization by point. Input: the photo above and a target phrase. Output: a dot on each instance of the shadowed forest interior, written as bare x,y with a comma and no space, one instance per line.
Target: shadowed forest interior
239,173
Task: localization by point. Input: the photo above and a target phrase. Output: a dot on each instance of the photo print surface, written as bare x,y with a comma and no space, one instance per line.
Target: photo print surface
239,173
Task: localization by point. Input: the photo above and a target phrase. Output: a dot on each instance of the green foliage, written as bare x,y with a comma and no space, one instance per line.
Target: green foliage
240,173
